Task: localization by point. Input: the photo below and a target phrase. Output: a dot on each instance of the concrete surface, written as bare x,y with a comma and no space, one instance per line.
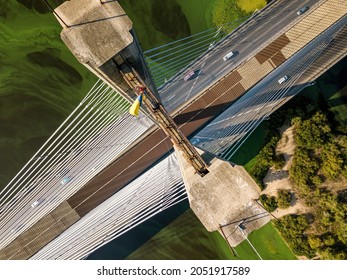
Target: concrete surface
95,32
224,198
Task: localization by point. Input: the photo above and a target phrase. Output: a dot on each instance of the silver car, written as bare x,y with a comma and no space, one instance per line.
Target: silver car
302,10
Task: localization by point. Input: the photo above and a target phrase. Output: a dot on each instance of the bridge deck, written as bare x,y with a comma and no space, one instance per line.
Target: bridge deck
208,104
194,115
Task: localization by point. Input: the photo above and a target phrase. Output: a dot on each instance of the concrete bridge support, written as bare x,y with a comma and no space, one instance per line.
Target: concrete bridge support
224,199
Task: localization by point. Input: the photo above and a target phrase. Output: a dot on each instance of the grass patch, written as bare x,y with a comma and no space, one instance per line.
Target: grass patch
198,13
268,243
249,6
338,104
186,238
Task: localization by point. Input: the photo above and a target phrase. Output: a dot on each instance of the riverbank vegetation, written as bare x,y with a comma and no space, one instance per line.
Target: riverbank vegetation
227,11
320,161
318,173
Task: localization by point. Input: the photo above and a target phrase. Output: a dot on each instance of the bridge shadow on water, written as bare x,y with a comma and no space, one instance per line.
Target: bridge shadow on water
130,241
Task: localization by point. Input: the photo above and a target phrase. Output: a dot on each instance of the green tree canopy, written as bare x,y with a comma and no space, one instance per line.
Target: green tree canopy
284,198
226,11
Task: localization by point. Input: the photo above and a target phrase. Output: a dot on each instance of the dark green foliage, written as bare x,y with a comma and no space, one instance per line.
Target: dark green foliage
226,11
279,161
269,202
332,160
304,168
264,160
284,198
314,132
318,154
292,229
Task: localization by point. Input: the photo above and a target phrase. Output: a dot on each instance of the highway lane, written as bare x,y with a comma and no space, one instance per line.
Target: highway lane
262,28
80,165
212,70
29,204
259,102
142,198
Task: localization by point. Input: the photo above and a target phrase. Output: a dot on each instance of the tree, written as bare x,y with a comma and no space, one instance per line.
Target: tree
279,161
292,229
314,132
284,198
315,241
226,11
332,161
269,202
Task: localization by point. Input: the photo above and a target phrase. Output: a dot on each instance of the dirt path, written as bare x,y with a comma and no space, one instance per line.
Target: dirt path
279,179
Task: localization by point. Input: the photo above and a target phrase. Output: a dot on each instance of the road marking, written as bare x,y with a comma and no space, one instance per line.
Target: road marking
170,97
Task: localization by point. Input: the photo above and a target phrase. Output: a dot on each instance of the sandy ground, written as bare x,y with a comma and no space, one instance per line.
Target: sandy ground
279,179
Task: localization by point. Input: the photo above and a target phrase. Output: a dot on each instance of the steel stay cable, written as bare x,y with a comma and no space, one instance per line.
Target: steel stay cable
113,203
86,198
19,178
40,175
49,139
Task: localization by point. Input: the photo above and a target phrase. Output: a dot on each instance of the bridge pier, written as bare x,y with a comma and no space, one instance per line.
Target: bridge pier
101,36
223,199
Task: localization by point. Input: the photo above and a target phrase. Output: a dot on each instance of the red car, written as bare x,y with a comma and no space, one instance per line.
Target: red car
189,75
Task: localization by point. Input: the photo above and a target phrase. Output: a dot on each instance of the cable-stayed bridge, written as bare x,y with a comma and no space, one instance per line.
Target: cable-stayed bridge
100,148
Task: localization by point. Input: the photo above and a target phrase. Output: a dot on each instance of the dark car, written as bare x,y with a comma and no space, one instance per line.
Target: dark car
189,75
302,10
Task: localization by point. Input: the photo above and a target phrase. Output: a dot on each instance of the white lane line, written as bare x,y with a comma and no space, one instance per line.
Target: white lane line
170,97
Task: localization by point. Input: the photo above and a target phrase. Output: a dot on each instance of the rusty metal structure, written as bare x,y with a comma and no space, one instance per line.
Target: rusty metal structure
163,119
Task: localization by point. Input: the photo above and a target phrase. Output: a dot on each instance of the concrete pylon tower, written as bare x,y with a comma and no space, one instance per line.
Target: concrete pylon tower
100,35
224,199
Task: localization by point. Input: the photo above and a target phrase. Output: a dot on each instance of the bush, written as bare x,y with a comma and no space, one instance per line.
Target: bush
269,202
314,132
284,198
279,161
292,228
264,160
226,11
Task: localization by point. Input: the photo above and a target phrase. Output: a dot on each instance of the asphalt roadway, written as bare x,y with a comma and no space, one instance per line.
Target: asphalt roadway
155,144
243,43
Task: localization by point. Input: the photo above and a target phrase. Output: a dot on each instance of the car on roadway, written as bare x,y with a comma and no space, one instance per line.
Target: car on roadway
66,180
228,55
283,79
35,203
18,228
302,10
189,75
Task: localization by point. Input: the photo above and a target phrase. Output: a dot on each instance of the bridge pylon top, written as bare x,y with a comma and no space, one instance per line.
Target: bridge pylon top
94,31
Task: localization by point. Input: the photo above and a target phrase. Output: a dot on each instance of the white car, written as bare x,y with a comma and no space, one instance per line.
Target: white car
17,228
35,203
283,79
227,56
